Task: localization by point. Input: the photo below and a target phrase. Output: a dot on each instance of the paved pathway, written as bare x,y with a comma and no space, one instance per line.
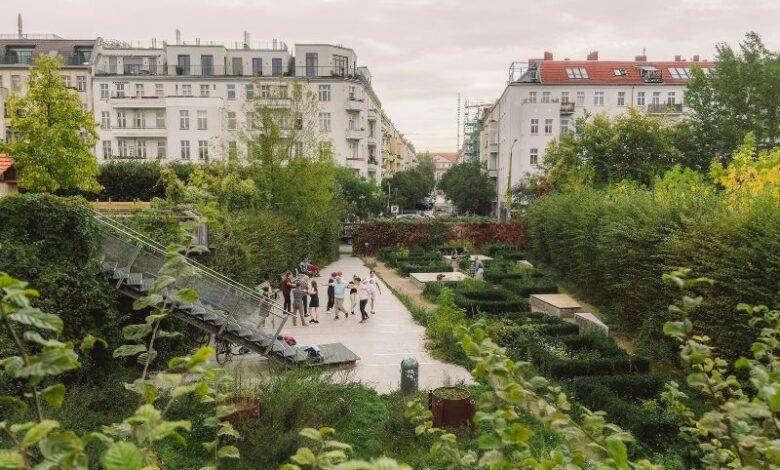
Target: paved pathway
381,342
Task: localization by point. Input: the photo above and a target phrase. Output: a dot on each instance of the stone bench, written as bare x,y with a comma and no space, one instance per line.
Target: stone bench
588,321
525,264
557,305
419,279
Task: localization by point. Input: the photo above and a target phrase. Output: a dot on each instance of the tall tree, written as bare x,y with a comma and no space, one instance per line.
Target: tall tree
469,188
53,135
363,198
740,95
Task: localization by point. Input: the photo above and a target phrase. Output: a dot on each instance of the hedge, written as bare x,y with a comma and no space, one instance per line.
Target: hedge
431,234
509,303
608,358
528,286
134,180
621,396
432,290
612,247
405,268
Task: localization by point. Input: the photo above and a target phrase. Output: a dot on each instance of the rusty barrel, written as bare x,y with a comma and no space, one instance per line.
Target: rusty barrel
451,407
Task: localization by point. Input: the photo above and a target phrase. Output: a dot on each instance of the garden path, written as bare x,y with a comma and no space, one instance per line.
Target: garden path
388,337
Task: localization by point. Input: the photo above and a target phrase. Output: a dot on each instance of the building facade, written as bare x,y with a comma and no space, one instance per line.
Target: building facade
544,98
192,102
398,153
443,162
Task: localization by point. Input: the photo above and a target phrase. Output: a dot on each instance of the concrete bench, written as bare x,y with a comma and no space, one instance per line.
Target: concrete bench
588,321
525,264
419,279
557,305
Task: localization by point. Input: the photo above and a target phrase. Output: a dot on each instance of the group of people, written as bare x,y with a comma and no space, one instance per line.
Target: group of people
302,299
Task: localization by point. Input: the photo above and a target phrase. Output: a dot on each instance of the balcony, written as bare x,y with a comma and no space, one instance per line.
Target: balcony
355,104
665,108
492,172
354,134
28,60
134,132
136,101
567,107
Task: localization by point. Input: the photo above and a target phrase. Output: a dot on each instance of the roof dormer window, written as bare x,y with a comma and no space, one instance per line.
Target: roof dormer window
680,73
576,72
620,72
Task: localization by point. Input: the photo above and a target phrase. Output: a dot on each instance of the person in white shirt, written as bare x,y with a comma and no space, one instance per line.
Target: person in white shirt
372,283
362,288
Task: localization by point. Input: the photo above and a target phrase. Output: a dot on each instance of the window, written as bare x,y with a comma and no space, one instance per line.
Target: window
564,97
231,92
298,149
548,127
140,120
564,126
276,66
257,66
104,91
16,83
207,64
161,149
265,91
232,149
598,98
184,119
324,93
352,92
532,97
640,98
120,90
534,126
340,64
121,119
353,149
371,128
656,98
202,121
250,91
158,90
620,72
204,91
231,120
534,156
312,59
580,98
66,81
352,122
21,56
299,121
283,91
324,122
545,97
139,90
106,149
621,99
185,149
122,148
671,98
186,90
183,65
203,150
81,83
105,120
326,149
159,119
576,72
680,73
140,149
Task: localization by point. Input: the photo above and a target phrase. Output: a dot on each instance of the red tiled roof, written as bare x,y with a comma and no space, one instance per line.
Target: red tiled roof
553,72
6,162
451,156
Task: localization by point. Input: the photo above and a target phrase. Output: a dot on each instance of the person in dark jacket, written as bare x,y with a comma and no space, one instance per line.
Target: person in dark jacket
331,297
287,287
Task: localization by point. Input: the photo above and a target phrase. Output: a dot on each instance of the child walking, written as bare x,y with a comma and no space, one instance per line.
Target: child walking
363,296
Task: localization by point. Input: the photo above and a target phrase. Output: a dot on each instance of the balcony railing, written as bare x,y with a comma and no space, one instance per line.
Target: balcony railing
226,70
567,107
665,108
139,131
354,134
137,101
25,60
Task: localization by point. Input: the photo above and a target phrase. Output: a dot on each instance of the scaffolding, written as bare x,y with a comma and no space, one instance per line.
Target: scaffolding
474,112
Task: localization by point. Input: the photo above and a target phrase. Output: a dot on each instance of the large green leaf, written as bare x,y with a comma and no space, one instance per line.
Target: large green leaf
38,319
50,362
228,452
10,458
129,350
185,296
136,332
39,431
304,456
616,449
35,337
122,456
54,395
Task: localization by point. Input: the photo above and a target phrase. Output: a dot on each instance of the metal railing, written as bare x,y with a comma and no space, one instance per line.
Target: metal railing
244,70
665,108
135,252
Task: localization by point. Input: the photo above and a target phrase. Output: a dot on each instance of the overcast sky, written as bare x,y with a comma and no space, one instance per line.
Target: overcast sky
422,53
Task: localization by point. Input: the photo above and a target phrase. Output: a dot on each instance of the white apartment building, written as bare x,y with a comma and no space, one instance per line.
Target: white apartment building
186,102
544,97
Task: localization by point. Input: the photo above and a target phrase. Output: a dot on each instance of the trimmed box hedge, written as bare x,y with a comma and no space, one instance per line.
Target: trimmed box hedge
432,290
590,354
405,268
527,287
476,302
621,396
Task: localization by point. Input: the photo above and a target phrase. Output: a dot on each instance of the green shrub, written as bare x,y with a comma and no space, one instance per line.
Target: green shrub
577,355
524,287
434,267
432,290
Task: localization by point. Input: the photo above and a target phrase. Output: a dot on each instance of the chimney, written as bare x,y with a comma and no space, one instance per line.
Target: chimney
197,41
548,55
246,39
677,58
640,58
593,55
696,58
178,37
19,25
